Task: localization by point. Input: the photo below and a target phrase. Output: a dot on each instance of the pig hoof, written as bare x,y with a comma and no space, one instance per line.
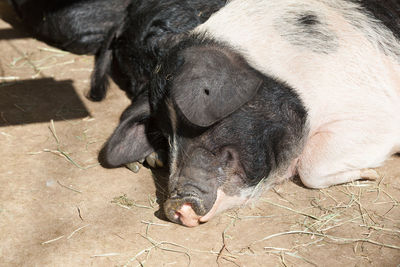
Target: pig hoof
369,174
133,166
151,159
156,159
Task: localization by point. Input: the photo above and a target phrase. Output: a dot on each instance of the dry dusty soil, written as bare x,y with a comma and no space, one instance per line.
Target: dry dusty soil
58,207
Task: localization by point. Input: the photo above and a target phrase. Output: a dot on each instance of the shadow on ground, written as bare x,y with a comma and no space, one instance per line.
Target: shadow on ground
160,177
39,100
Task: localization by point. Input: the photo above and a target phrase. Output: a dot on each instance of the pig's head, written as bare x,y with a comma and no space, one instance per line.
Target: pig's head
227,125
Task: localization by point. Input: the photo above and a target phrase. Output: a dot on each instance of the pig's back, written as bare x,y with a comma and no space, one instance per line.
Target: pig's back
343,63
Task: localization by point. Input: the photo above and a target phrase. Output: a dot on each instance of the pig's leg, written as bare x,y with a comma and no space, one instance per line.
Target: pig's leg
157,159
335,157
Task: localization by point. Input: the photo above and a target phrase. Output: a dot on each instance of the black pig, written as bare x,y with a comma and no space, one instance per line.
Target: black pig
128,37
78,26
147,33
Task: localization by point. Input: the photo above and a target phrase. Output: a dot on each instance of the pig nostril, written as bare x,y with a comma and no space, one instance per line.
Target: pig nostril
186,215
184,211
186,207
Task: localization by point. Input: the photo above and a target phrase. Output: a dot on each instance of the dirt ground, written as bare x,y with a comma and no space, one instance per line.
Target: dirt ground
58,207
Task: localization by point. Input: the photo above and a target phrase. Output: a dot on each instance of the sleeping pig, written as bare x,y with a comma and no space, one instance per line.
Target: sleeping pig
265,90
142,38
126,36
78,26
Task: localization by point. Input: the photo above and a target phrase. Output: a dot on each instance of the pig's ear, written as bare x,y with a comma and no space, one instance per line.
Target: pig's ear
129,142
213,83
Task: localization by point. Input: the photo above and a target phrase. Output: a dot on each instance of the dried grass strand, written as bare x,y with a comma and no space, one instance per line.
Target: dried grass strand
52,240
70,188
77,230
295,211
334,238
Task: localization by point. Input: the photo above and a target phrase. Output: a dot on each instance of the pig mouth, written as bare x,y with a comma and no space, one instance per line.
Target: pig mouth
223,202
187,210
189,213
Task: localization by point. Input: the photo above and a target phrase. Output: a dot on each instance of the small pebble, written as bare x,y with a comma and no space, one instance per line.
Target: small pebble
50,183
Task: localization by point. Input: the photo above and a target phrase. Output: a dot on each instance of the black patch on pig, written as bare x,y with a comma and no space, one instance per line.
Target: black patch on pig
308,19
265,132
307,29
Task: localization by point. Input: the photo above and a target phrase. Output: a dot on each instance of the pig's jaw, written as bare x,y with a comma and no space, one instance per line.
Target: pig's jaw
223,202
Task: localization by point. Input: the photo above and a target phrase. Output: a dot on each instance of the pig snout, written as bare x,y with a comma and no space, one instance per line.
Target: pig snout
186,211
193,189
190,211
202,187
191,201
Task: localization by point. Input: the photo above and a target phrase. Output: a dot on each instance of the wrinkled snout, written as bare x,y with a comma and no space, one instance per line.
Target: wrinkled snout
201,188
193,189
189,202
189,211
